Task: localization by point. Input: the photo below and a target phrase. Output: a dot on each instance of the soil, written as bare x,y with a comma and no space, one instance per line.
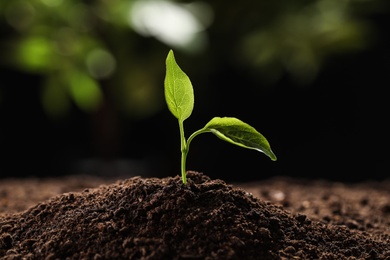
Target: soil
83,217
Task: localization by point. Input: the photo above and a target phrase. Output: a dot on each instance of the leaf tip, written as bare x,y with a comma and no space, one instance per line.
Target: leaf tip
170,55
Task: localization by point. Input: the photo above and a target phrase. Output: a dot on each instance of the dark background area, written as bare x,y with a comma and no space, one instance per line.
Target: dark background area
331,123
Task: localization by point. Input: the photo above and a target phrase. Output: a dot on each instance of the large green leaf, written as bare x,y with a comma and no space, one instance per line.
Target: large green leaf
235,131
179,93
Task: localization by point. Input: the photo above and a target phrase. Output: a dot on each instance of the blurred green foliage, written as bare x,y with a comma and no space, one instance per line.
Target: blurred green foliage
301,36
90,52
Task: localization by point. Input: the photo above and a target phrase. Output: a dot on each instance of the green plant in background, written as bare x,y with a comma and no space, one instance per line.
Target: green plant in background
179,96
87,52
303,35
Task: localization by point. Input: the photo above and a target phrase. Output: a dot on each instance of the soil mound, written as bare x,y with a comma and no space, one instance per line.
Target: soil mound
154,218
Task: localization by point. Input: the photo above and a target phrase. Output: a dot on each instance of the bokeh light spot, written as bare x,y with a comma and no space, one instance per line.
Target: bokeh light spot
52,3
174,24
20,15
100,63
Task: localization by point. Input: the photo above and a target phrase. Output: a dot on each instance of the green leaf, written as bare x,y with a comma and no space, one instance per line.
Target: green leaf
179,93
235,131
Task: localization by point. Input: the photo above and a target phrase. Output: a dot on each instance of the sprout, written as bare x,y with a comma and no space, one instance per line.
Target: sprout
179,96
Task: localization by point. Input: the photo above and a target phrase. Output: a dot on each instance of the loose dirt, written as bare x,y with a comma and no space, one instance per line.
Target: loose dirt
151,218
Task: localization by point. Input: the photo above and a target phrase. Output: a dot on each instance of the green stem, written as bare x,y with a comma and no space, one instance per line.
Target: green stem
185,146
183,167
184,152
200,131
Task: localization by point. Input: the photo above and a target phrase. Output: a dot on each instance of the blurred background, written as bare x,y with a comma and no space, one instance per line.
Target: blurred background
81,86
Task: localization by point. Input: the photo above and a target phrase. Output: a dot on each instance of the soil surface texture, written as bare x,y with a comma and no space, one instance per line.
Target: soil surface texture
160,218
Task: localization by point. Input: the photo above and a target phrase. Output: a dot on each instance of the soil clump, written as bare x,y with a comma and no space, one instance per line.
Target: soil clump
153,218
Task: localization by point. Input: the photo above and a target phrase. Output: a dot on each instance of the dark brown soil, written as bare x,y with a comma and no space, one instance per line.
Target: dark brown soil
150,218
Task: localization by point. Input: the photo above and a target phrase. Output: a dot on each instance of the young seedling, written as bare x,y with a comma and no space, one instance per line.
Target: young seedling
179,96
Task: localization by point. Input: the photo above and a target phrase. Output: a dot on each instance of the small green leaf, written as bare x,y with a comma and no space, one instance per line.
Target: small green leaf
179,93
235,131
